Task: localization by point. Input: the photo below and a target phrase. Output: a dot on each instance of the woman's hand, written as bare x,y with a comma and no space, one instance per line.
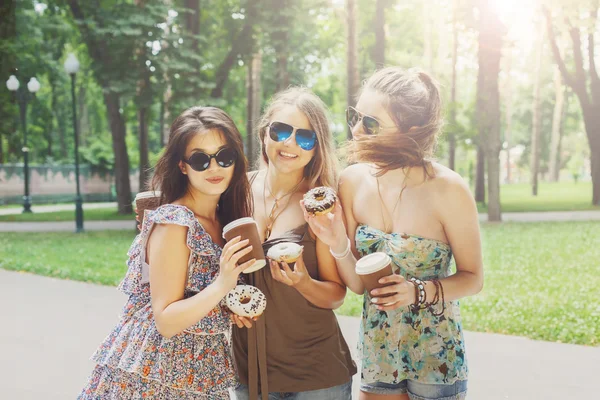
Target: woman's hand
399,293
329,228
232,252
242,322
282,272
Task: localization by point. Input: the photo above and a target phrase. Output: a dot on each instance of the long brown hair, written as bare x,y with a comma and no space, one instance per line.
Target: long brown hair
322,170
414,103
236,201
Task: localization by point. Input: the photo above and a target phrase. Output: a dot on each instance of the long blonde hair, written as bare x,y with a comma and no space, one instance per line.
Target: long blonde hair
322,170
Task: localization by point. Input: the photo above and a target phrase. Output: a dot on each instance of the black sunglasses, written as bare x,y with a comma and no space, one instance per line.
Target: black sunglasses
305,138
200,161
371,125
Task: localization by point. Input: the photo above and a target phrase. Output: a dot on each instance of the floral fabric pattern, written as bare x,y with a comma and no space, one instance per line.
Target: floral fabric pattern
404,344
135,361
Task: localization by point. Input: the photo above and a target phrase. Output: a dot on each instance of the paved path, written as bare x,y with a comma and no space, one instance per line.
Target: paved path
50,328
547,216
69,226
55,208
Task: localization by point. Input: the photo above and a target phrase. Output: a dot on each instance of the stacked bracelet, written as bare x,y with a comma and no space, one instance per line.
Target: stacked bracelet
421,296
343,254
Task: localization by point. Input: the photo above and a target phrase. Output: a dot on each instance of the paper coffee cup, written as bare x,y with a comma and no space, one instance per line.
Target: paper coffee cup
373,267
247,229
149,200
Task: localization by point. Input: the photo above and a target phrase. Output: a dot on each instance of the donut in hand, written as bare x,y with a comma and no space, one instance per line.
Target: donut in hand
319,200
286,251
246,301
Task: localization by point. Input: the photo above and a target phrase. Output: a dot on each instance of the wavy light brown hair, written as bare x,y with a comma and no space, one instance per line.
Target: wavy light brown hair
322,170
415,105
236,201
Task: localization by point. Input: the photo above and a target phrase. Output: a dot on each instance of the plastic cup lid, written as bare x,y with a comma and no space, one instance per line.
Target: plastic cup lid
372,263
236,223
148,194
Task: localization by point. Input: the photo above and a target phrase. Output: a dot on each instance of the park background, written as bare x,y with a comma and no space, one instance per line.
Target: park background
522,109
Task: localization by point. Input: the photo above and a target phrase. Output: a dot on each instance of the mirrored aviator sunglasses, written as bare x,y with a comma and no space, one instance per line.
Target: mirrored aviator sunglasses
200,161
370,125
305,138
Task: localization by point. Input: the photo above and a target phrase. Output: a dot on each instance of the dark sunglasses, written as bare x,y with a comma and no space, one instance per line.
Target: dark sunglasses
371,126
305,138
201,161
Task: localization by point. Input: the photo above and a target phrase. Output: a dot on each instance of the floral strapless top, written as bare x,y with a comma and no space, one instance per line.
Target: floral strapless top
404,344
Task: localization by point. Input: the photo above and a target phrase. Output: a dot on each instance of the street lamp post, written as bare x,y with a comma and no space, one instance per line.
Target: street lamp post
33,86
72,66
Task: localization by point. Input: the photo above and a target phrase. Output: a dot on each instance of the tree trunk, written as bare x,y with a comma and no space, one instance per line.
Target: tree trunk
379,26
578,81
253,93
559,106
452,134
352,55
428,36
480,176
591,118
143,138
508,114
1,149
536,131
161,123
121,170
491,31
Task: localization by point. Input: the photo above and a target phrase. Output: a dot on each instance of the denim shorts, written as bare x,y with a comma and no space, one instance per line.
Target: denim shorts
341,392
419,391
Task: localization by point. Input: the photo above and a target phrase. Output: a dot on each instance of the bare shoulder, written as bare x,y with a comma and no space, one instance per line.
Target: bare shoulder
353,174
168,236
448,185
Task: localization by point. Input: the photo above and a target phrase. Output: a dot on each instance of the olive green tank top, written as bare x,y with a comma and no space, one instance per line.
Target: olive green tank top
294,346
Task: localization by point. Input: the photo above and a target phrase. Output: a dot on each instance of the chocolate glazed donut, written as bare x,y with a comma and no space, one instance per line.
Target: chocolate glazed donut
320,200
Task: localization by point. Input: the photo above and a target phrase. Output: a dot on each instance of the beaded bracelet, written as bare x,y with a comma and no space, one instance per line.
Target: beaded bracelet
343,254
420,294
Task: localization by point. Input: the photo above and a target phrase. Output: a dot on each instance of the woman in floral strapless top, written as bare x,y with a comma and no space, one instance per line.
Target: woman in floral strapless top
172,338
397,201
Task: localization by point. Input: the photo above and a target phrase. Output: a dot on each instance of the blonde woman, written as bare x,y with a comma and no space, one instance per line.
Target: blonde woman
296,349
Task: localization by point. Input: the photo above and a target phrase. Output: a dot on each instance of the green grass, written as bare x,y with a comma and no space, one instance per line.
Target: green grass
97,257
541,279
561,196
94,214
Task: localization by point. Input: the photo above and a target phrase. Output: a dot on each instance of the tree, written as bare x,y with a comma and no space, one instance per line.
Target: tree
536,130
491,32
253,85
111,53
452,133
557,120
584,81
508,100
379,27
352,55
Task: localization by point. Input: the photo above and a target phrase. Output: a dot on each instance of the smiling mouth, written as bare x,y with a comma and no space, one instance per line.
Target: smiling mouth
289,156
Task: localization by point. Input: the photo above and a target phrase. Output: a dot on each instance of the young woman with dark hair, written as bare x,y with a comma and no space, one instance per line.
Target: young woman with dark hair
395,199
172,341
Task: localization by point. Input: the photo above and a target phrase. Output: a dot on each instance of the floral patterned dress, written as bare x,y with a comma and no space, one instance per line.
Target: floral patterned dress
403,344
137,362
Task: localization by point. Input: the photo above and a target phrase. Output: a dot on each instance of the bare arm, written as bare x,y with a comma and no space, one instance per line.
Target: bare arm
326,292
461,225
168,256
